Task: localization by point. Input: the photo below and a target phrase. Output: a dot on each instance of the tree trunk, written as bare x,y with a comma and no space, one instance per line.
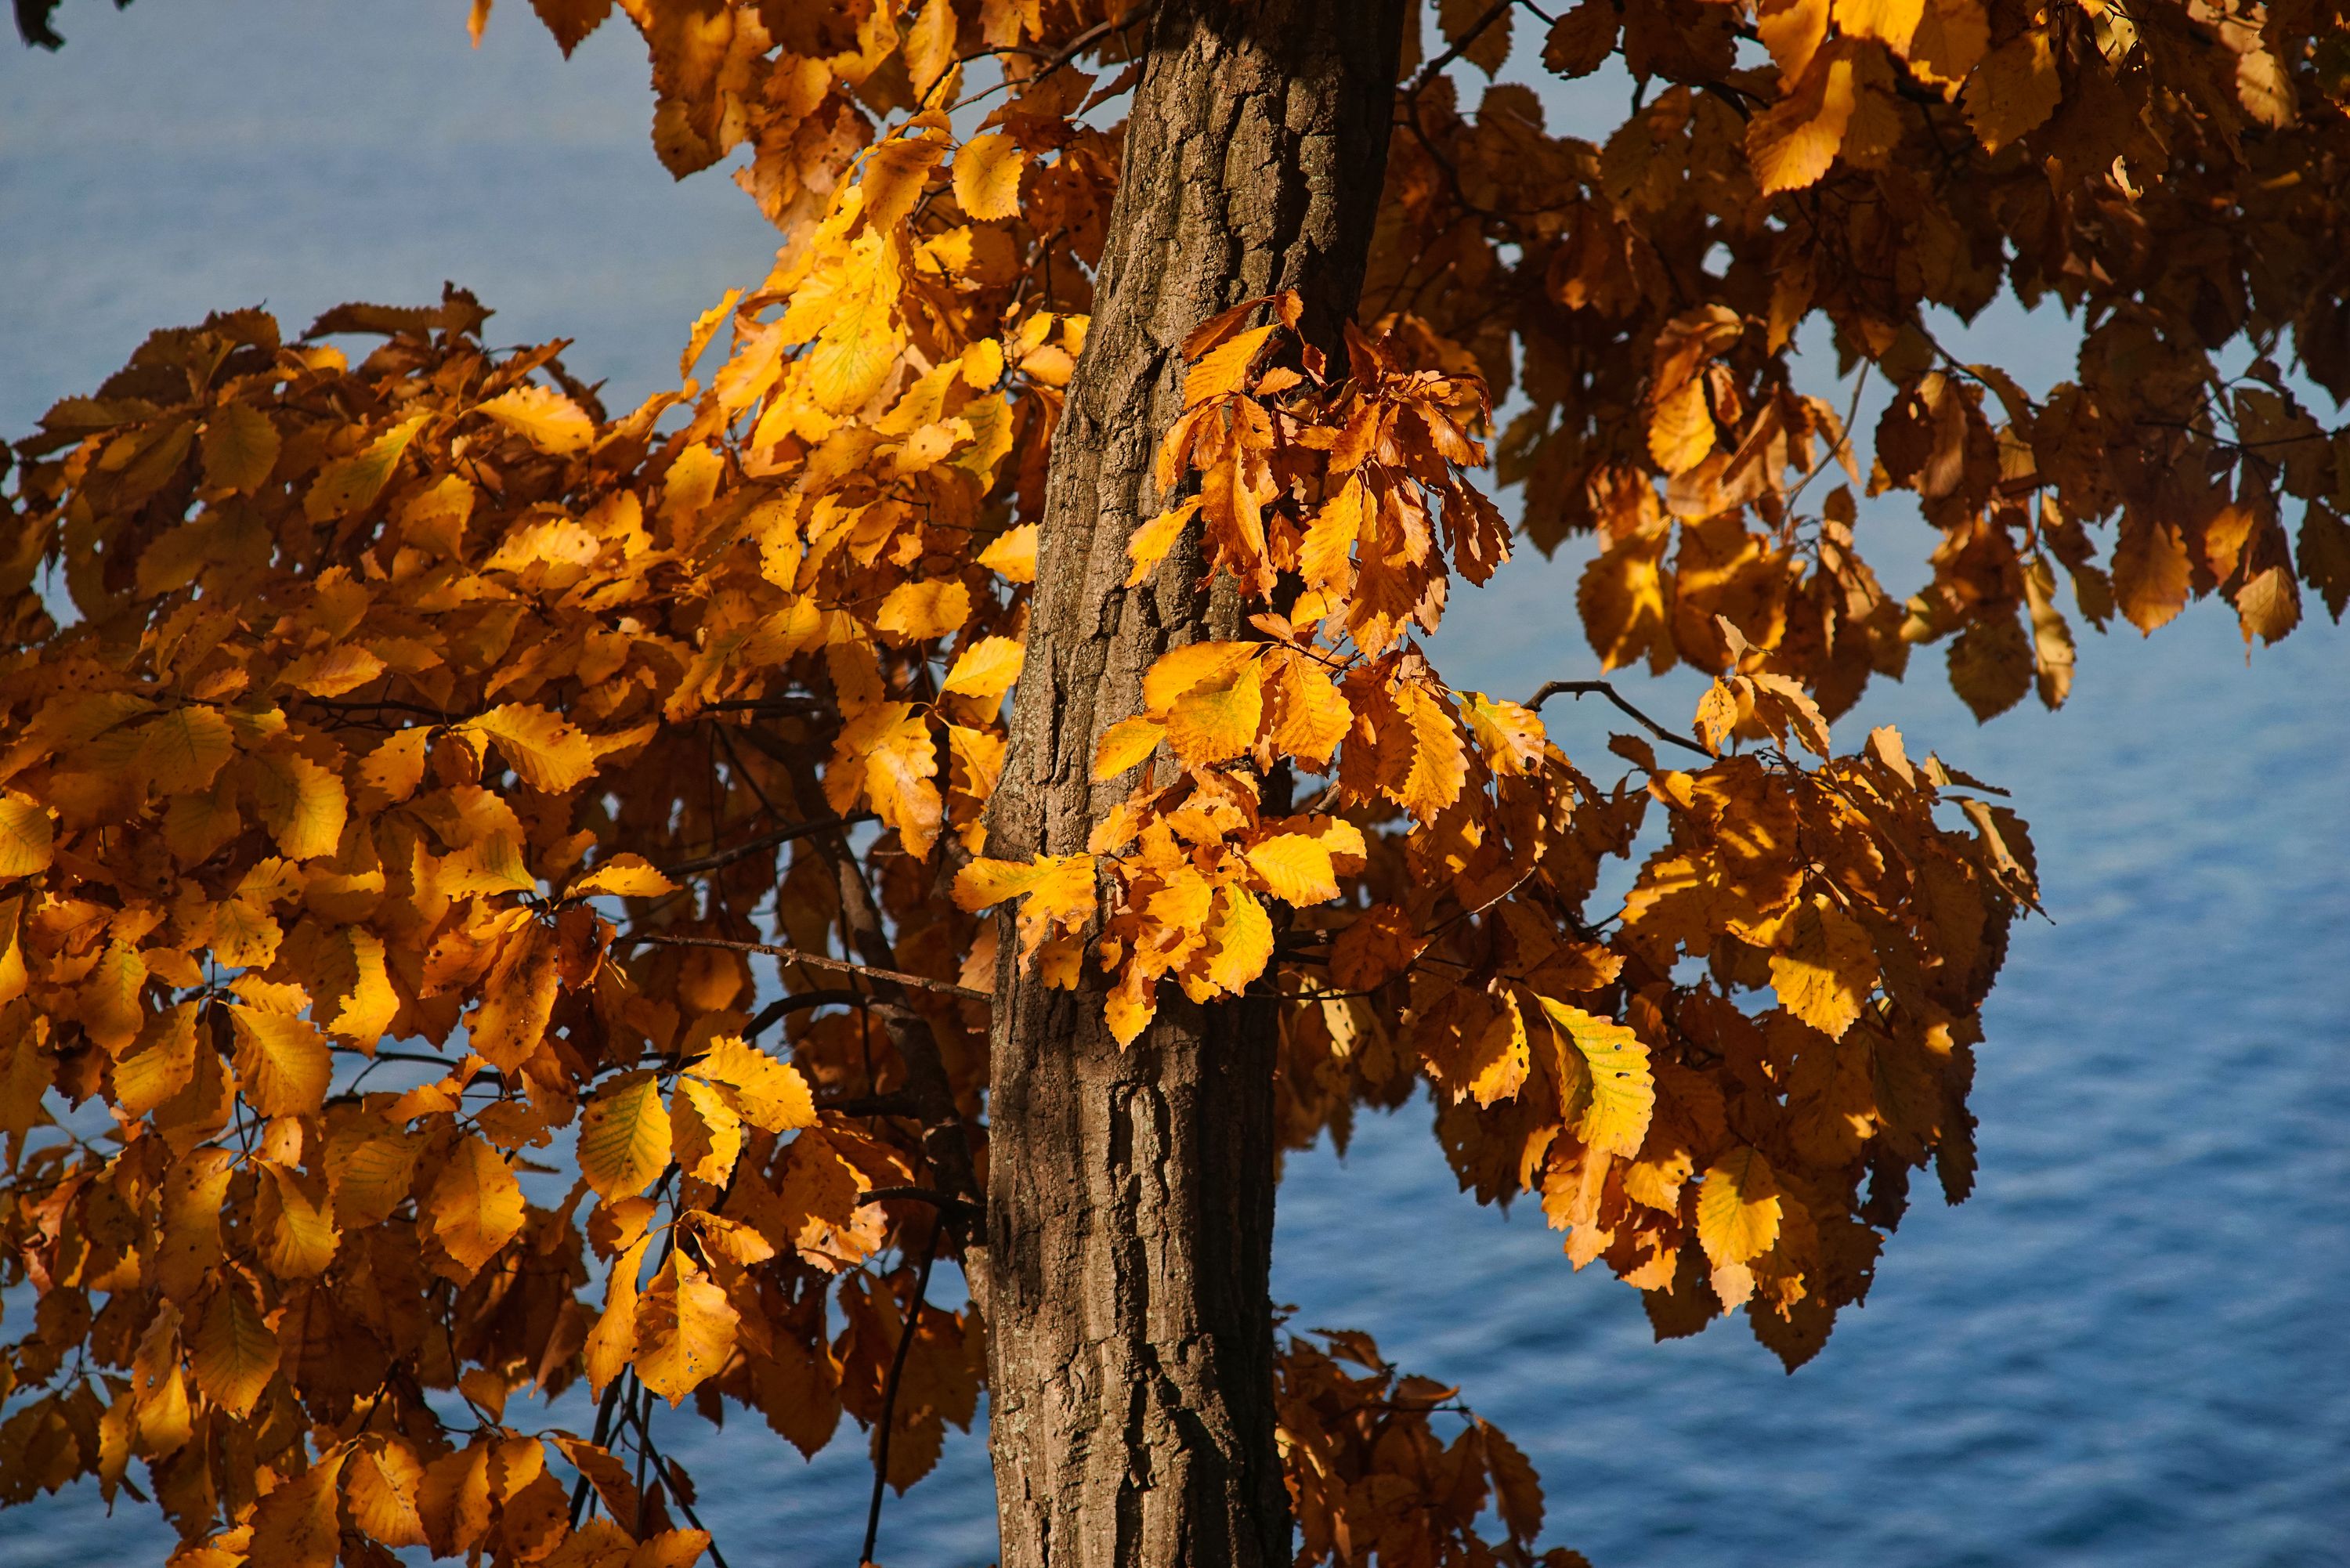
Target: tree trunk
1130,1198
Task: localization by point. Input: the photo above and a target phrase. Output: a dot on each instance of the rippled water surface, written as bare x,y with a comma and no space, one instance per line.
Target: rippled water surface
2127,1349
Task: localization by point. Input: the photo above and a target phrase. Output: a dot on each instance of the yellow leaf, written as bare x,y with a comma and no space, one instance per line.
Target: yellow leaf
1825,968
624,1135
766,1093
543,417
544,750
709,1133
2152,573
613,1340
380,1487
623,877
301,803
282,1063
1011,554
27,840
1792,143
1680,430
181,750
1609,1094
1125,744
849,307
297,1525
234,1352
395,766
1295,869
367,1013
108,998
1894,21
161,1067
1510,734
491,864
1058,890
1224,368
986,669
1240,934
351,484
1327,557
1502,1059
1738,1208
1622,601
475,1205
239,447
987,177
929,47
332,671
919,611
1149,544
2014,91
1217,719
685,1330
300,1237
1309,714
1440,764
887,756
705,325
517,997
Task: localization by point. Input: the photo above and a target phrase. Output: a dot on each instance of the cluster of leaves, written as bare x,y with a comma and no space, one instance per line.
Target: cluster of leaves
2166,172
390,828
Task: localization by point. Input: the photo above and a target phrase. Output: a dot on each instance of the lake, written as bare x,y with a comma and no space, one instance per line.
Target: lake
2126,1348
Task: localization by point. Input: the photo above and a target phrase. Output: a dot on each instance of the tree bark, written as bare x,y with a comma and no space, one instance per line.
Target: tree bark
1129,1201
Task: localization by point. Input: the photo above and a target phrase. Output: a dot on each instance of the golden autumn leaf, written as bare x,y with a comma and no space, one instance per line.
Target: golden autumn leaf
1680,430
1126,744
1609,1094
302,803
1792,143
764,1092
1296,868
543,417
381,1479
1738,1207
544,750
27,840
920,611
239,447
281,1063
2014,91
1012,555
624,1135
987,176
1825,969
475,1206
233,1352
351,484
1218,717
299,1524
624,875
685,1331
985,668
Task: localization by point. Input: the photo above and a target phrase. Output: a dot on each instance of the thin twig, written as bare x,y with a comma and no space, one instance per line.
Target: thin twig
814,960
1601,688
889,1394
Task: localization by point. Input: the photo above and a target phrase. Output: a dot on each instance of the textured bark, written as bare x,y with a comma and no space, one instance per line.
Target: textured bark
1131,1192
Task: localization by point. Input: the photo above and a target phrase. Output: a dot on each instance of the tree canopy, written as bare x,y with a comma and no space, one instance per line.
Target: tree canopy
494,890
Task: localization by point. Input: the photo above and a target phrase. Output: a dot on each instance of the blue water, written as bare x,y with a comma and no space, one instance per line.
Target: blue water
2127,1349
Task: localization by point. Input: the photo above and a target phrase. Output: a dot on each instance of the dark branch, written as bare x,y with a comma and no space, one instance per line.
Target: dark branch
814,960
890,1393
1601,688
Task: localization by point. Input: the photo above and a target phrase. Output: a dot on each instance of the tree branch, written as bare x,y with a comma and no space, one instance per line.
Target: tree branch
890,1393
814,960
1601,688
